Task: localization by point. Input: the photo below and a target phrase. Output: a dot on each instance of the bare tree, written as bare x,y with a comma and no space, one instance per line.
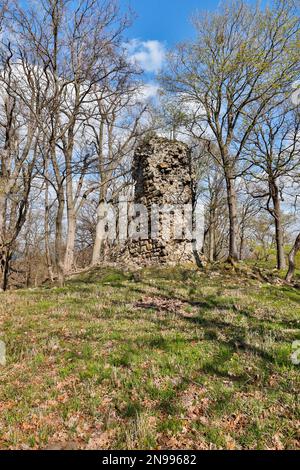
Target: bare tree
77,46
292,258
115,124
18,153
213,187
243,59
248,210
273,150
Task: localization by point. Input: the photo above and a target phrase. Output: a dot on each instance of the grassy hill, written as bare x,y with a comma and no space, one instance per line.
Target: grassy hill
169,358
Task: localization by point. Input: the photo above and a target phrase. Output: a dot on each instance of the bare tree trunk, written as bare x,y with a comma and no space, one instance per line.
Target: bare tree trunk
2,229
281,264
97,246
242,243
233,226
6,269
278,225
71,214
292,256
99,227
211,237
59,238
47,227
98,237
70,243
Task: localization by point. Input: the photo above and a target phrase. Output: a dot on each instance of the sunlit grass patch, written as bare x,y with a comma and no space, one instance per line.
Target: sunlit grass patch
162,358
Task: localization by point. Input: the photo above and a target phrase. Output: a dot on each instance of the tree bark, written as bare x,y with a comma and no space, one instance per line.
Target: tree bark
70,243
104,176
2,238
232,212
279,235
6,269
212,237
242,243
47,228
98,240
292,256
59,238
71,212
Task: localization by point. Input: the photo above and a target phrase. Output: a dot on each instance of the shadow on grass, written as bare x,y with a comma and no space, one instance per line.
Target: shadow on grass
234,337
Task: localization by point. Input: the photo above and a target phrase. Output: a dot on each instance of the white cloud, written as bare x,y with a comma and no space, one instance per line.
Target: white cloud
148,91
150,55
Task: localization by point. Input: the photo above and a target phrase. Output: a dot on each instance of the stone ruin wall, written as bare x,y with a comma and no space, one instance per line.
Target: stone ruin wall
162,175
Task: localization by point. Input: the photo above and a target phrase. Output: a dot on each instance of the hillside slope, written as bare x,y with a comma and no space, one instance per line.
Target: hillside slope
170,358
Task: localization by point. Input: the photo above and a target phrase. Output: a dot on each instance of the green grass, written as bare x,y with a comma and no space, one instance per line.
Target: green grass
270,263
171,358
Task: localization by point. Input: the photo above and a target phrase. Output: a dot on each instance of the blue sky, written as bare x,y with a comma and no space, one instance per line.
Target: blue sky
165,20
159,24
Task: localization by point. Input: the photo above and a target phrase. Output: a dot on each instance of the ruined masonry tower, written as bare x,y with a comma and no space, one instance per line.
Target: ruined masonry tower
162,175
